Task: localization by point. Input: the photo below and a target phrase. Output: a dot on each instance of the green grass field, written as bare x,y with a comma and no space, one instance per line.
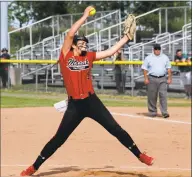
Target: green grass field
14,99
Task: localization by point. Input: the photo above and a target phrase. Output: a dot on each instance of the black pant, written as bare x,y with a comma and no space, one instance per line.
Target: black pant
77,110
4,76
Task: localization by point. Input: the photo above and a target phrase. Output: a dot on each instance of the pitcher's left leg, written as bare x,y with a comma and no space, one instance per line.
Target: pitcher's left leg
100,114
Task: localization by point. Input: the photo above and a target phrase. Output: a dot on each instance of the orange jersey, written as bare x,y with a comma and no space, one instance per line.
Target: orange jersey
76,73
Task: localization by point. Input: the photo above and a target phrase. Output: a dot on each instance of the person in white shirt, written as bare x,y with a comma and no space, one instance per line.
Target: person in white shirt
155,68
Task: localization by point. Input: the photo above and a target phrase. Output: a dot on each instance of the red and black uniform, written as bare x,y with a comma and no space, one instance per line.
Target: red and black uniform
76,72
82,103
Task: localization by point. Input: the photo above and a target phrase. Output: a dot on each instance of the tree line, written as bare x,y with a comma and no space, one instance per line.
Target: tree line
25,11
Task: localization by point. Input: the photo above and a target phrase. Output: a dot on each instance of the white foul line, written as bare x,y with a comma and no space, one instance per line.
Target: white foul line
156,119
83,167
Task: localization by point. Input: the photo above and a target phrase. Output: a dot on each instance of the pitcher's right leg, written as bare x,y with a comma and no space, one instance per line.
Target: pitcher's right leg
70,121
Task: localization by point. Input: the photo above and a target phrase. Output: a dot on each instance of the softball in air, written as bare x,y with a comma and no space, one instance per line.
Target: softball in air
92,11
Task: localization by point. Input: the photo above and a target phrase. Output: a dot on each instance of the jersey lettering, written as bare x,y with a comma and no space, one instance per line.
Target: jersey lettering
75,65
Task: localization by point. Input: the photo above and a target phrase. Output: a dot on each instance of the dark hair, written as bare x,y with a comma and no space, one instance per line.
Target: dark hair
157,47
4,49
178,50
78,38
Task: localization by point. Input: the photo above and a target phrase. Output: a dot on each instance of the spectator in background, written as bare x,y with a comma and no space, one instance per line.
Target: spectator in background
185,72
120,75
4,67
155,68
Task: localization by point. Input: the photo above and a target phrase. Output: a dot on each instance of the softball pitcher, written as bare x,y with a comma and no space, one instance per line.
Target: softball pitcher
76,63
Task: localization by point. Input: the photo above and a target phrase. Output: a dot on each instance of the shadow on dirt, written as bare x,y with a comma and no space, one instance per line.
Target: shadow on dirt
90,172
147,115
55,171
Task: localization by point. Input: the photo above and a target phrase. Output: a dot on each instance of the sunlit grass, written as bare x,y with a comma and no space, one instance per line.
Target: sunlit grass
13,101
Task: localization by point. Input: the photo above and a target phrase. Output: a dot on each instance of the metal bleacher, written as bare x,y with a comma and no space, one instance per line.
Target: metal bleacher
50,46
103,32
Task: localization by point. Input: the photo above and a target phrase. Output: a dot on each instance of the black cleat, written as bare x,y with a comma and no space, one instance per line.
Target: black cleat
166,115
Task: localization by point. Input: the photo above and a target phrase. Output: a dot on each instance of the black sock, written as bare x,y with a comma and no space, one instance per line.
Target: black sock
134,149
39,161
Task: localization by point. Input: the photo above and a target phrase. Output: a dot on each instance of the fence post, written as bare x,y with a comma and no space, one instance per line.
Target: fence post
58,25
99,42
173,48
102,78
185,17
109,36
31,43
132,80
169,43
143,53
53,26
120,29
185,41
166,19
43,52
46,79
36,79
9,43
8,81
71,20
131,66
52,69
160,26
